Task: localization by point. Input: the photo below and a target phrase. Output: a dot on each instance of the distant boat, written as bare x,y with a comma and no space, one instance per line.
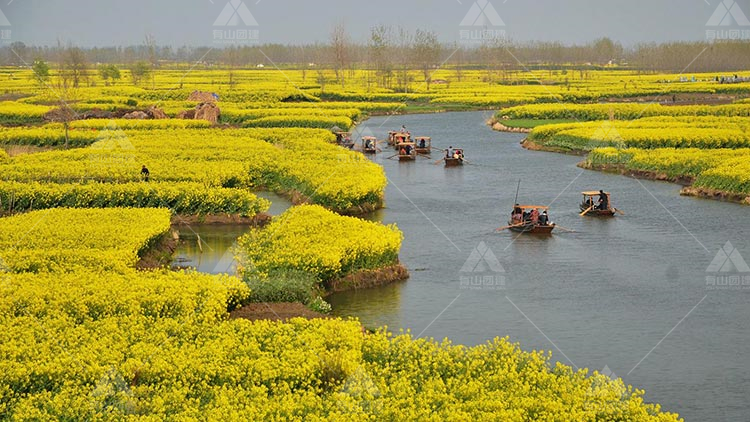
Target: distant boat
520,222
424,144
369,145
589,206
456,160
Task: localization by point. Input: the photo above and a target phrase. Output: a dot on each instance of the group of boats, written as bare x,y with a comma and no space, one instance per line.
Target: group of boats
535,219
407,148
531,219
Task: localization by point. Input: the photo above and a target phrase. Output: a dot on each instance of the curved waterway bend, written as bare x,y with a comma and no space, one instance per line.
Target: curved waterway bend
628,294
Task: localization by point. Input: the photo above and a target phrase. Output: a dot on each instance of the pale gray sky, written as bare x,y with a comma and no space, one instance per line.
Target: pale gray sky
191,22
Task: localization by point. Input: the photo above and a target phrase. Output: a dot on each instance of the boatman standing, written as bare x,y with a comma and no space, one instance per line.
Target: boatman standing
603,202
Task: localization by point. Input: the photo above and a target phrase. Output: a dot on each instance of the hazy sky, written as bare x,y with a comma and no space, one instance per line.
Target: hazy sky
191,22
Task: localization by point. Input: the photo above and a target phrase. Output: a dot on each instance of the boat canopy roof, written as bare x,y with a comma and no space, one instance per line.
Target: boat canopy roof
427,138
368,137
528,207
405,143
342,133
593,192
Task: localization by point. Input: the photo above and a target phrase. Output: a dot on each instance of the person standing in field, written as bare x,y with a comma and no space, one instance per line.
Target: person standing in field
145,173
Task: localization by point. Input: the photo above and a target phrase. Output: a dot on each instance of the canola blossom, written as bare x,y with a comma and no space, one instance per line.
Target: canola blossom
312,239
65,239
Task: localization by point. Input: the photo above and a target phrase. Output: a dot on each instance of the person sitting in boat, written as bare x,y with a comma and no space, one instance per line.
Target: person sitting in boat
368,143
517,214
543,218
534,216
603,201
449,152
421,143
408,150
402,151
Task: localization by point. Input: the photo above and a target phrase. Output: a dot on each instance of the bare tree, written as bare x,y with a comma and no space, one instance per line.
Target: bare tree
380,48
231,58
426,53
405,40
340,45
73,66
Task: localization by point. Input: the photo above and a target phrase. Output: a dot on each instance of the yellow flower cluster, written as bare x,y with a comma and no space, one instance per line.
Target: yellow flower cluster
312,239
731,176
720,169
16,113
659,132
70,239
184,198
620,111
283,160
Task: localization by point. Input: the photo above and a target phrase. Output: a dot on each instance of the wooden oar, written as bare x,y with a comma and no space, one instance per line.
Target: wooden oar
564,228
466,161
616,210
394,155
436,162
508,227
587,210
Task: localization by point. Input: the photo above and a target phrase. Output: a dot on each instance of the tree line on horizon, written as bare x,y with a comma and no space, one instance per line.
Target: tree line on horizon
390,52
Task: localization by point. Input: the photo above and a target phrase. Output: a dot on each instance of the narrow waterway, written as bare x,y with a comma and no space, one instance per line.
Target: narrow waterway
629,293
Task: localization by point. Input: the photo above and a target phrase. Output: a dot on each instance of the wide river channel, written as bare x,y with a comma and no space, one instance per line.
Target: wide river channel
642,295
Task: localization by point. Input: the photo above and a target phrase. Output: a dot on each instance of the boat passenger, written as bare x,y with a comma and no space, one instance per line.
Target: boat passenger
603,201
543,218
534,216
402,151
421,143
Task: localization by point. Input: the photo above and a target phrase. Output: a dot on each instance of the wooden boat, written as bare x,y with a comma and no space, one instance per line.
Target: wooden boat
589,205
456,160
406,151
400,138
391,138
369,145
344,139
424,144
528,226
